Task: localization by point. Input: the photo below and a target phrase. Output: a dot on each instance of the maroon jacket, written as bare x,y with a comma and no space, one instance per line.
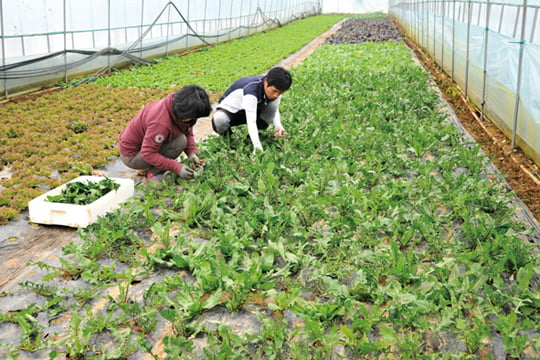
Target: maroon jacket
153,126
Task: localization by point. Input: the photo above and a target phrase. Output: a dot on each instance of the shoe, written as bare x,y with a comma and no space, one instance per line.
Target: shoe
156,179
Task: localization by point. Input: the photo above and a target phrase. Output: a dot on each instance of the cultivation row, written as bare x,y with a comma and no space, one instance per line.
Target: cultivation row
61,135
373,230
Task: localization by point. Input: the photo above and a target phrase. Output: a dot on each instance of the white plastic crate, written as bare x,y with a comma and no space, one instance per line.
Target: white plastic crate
42,211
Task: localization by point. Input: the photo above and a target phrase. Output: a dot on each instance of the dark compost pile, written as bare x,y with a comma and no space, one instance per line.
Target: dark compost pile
357,31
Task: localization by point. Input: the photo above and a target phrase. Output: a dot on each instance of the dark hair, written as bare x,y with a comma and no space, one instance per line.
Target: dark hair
279,78
191,102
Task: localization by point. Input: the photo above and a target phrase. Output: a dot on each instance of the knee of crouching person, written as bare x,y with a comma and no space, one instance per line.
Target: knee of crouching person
220,122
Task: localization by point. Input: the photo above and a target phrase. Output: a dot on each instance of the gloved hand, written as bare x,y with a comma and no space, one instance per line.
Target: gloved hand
186,172
280,132
194,159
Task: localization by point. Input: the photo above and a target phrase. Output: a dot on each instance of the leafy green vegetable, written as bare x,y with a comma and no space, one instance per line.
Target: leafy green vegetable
80,193
373,230
235,58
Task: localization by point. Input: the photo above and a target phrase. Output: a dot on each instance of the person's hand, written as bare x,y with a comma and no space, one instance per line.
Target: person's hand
257,149
194,159
280,132
186,172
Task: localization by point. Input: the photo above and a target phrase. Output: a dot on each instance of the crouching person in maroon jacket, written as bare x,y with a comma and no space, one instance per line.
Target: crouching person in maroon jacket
161,131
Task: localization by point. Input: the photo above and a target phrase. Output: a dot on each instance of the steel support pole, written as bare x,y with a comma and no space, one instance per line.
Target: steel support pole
241,22
205,17
249,16
418,22
168,29
519,75
469,17
65,41
453,40
434,31
443,25
109,38
258,8
501,19
427,26
3,44
230,20
514,33
486,49
533,30
141,29
422,25
188,20
413,12
413,20
219,17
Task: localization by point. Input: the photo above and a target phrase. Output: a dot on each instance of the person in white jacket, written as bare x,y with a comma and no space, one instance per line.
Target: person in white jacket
253,100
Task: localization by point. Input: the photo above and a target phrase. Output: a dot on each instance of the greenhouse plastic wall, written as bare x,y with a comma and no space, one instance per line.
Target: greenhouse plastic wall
492,50
50,41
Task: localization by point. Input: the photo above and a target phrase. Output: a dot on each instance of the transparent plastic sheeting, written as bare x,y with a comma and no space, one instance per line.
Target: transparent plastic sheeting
78,37
91,23
354,6
465,49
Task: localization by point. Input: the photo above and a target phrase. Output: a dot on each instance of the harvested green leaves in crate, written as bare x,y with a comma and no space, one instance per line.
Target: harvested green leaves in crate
84,193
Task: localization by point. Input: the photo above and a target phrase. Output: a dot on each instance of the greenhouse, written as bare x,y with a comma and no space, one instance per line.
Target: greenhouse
343,179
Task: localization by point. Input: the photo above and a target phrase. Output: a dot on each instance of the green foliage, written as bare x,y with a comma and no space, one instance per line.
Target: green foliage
53,149
84,193
235,58
84,122
370,231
